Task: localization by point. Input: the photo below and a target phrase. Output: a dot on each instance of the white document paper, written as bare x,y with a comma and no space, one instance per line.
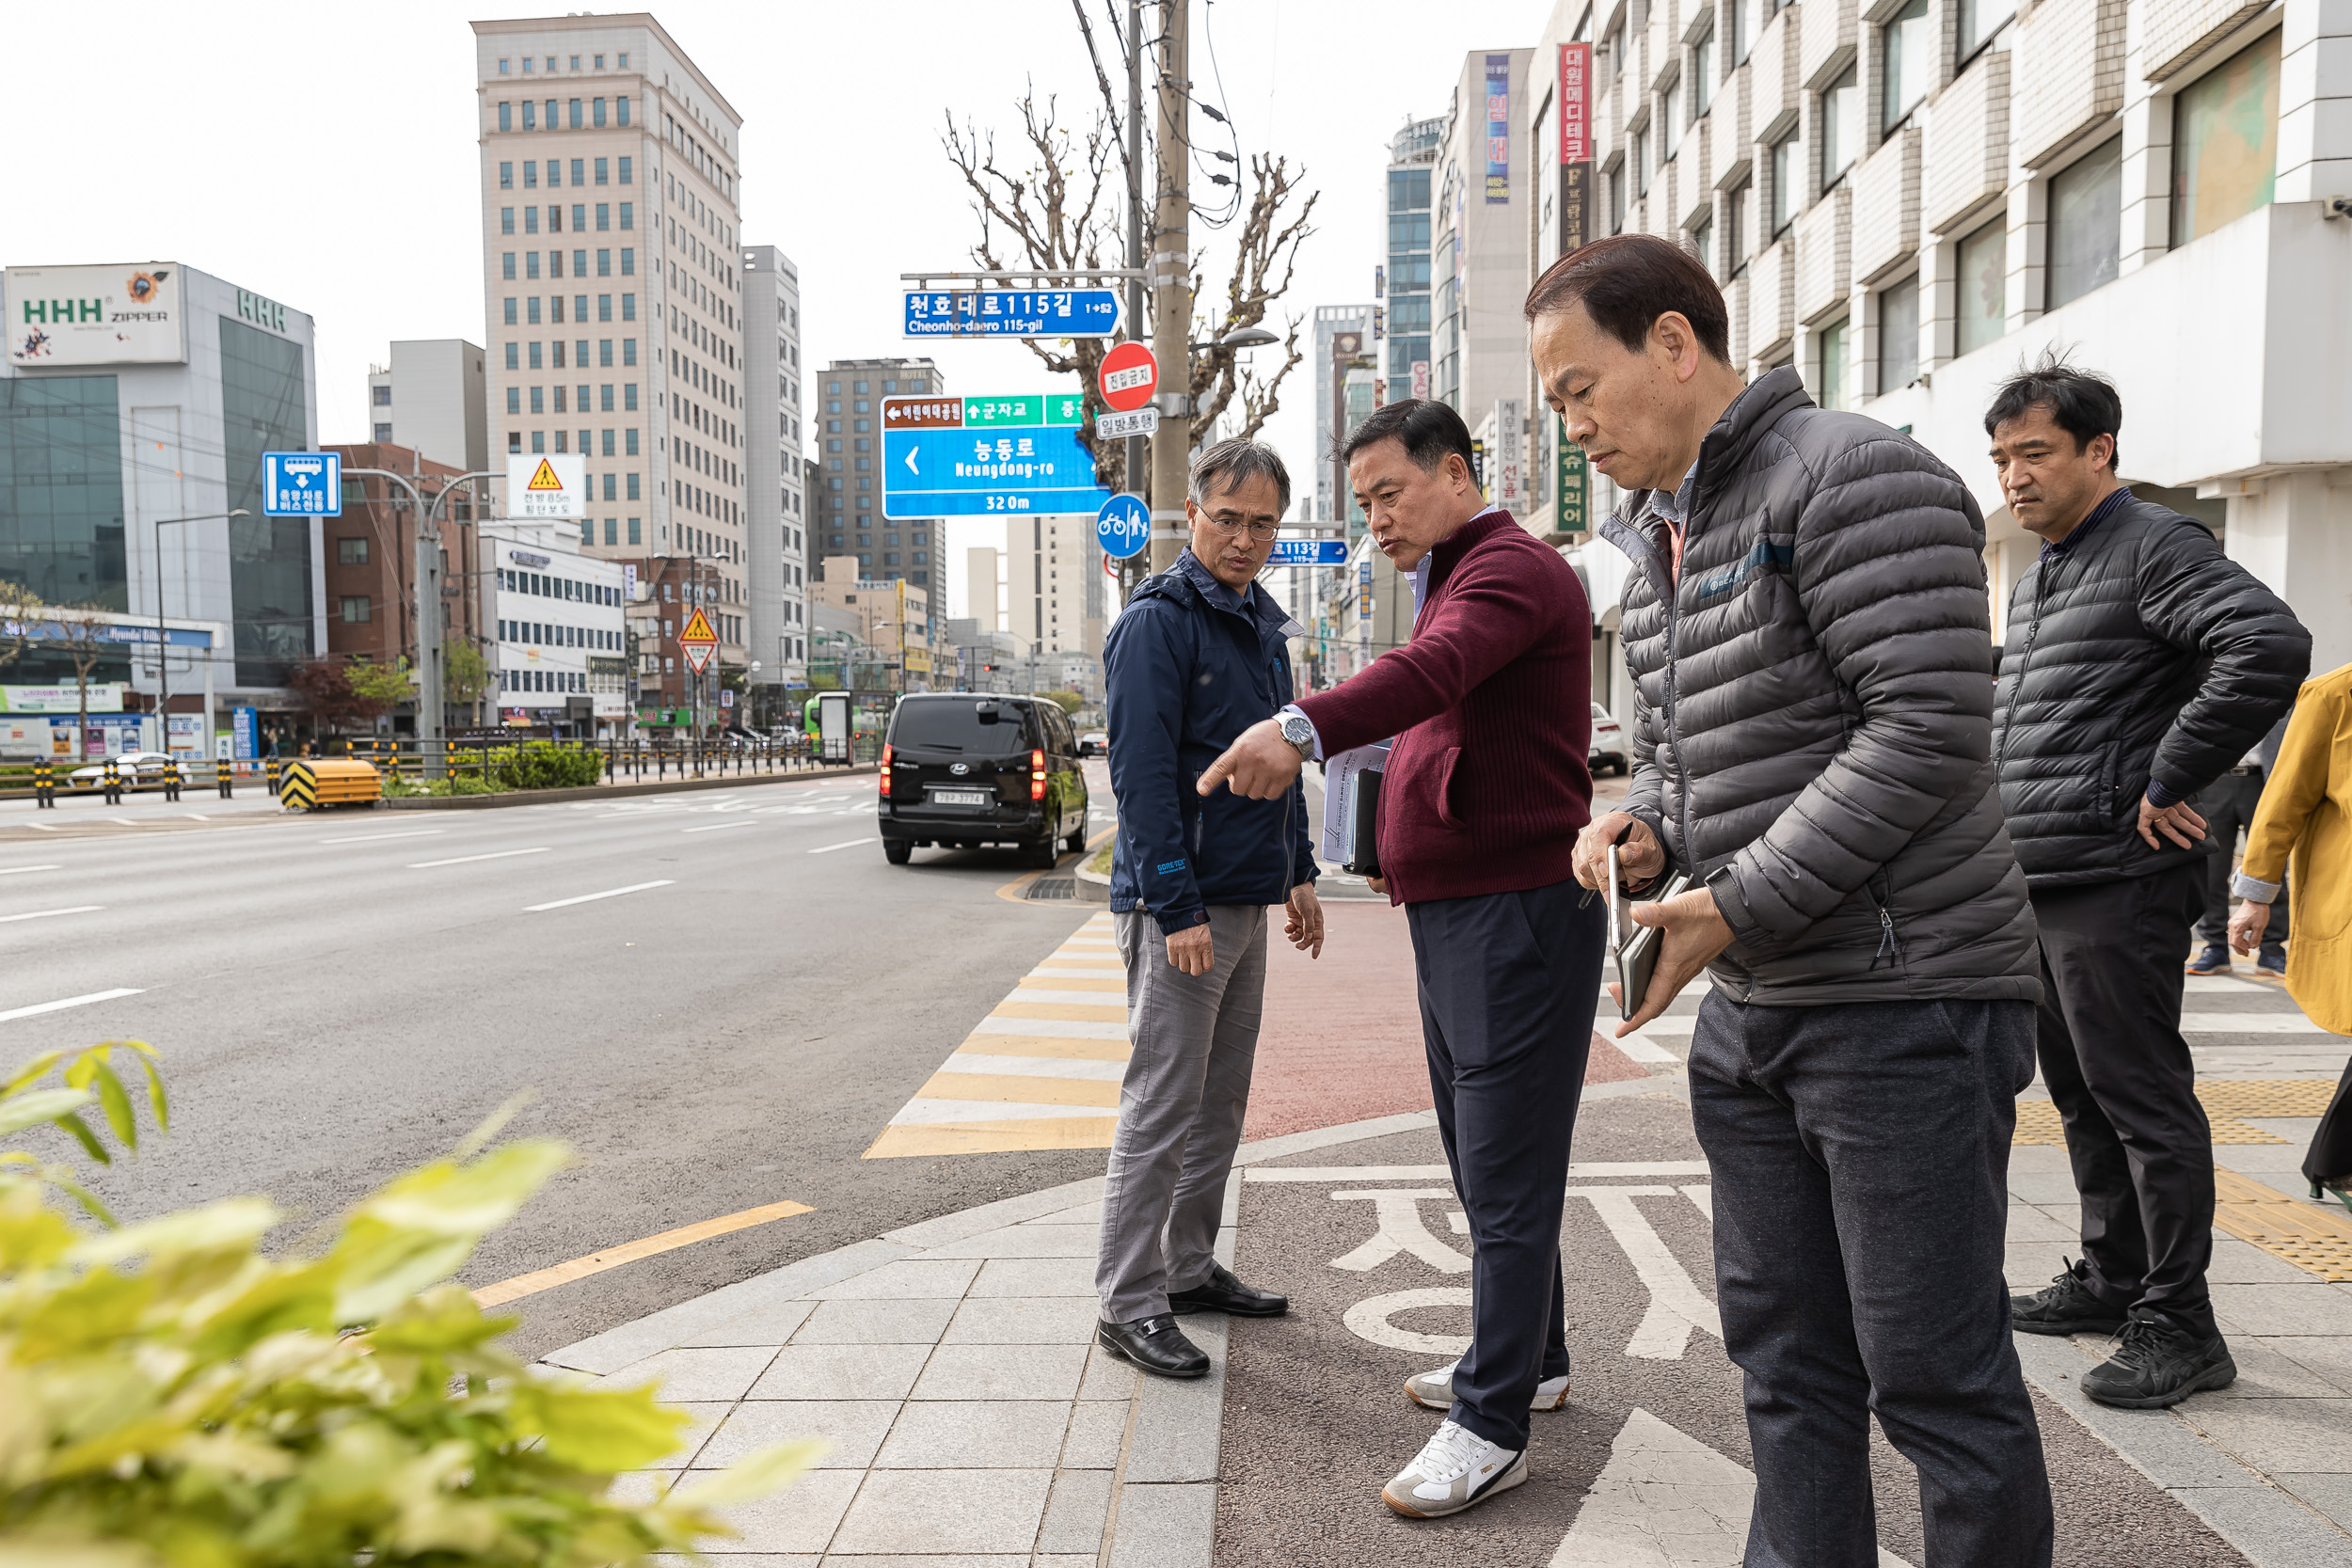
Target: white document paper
1339,797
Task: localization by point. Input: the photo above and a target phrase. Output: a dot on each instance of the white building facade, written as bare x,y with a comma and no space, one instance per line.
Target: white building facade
611,280
776,530
562,650
1908,200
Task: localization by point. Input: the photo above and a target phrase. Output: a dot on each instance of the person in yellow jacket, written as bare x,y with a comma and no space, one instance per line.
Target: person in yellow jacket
2306,810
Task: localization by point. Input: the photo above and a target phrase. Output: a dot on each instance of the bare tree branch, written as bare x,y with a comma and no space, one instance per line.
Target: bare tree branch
1265,260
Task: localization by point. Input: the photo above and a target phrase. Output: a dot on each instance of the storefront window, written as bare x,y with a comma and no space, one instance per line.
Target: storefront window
2225,142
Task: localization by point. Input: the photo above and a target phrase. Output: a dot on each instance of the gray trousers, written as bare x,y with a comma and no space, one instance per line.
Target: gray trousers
1194,1041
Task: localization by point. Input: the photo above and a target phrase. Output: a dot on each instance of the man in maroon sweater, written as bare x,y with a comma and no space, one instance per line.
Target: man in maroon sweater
1484,792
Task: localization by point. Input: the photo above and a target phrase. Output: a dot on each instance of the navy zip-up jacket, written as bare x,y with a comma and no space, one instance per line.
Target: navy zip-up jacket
1188,667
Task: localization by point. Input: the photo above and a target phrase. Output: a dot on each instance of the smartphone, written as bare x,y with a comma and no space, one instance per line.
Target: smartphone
1635,947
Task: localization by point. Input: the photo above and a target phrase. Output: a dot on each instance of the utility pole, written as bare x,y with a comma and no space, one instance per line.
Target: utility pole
1172,278
1136,445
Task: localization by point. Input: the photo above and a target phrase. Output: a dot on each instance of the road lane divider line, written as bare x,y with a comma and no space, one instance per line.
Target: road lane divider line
592,897
613,1258
1041,1071
378,838
45,914
829,848
16,870
63,1003
465,860
718,827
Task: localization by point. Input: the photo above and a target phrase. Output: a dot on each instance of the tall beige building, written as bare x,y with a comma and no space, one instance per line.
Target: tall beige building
1056,595
611,256
983,579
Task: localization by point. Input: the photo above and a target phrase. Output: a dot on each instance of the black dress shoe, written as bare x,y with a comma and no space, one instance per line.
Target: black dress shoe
1156,1344
1222,1292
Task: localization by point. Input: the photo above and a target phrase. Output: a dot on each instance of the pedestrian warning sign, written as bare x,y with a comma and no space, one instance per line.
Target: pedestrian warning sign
698,641
554,486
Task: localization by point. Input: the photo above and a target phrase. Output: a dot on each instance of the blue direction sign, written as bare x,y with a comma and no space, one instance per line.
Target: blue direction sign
1123,526
302,484
1309,552
956,472
1011,312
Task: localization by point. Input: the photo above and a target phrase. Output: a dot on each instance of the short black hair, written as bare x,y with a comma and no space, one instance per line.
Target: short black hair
1426,429
2081,403
1627,282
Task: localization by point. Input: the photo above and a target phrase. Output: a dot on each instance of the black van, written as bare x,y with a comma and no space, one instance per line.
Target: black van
960,769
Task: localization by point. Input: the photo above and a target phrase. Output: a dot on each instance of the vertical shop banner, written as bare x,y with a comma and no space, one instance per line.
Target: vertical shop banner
1498,129
1571,510
1576,144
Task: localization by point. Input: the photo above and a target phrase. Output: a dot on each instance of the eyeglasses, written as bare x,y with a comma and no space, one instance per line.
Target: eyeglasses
1259,533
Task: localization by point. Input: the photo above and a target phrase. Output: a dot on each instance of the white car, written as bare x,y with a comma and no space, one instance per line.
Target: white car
130,767
1609,746
1094,743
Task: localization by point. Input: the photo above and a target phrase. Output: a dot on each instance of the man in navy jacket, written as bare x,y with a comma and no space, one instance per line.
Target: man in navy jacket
1197,656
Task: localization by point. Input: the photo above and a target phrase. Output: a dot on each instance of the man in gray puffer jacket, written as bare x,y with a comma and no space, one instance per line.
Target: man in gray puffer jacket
1810,631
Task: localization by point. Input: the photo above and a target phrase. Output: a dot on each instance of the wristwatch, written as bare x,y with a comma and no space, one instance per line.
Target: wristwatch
1300,732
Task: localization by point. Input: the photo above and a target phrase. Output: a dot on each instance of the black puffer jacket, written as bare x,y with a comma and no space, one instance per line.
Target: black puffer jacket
1814,719
2137,651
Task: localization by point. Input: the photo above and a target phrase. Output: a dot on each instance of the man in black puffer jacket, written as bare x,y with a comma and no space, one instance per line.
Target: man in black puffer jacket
2140,664
1807,625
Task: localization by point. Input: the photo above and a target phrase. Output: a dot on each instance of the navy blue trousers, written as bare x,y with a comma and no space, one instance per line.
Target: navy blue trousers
1508,984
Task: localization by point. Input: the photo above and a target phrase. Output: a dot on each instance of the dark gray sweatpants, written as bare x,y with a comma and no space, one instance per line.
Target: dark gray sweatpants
1860,1156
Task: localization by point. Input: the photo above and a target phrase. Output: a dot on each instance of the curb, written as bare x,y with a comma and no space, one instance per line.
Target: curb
612,791
1093,887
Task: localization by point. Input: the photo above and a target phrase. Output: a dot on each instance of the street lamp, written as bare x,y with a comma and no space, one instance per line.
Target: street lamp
163,634
1242,338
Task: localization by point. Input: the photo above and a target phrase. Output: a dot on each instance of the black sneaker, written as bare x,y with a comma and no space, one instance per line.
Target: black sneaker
2065,1306
2212,961
2159,1362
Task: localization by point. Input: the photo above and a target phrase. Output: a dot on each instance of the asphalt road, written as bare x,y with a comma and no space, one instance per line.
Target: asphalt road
340,997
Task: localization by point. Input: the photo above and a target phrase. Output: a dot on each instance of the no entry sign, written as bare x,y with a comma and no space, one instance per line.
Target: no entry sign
1129,375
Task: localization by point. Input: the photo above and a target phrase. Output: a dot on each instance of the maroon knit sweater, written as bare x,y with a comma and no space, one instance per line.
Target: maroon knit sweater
1491,705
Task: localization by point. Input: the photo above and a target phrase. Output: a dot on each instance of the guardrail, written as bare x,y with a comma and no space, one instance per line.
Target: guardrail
489,765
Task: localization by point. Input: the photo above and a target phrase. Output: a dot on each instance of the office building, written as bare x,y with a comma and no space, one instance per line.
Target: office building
982,582
136,403
1343,344
849,516
776,537
894,620
1405,273
1906,206
612,285
429,398
1478,247
555,615
1057,592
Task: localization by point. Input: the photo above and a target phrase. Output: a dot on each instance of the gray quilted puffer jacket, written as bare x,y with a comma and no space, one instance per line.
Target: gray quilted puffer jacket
1813,730
2137,650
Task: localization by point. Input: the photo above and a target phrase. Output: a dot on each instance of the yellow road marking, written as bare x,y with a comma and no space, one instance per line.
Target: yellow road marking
1067,1012
1020,1089
1046,1045
993,1137
613,1258
1073,982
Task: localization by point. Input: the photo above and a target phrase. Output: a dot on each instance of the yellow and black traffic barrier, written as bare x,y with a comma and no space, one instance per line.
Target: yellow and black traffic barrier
44,787
113,784
171,778
310,784
224,774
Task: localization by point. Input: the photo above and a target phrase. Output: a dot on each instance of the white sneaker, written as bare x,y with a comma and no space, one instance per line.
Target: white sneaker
1455,1469
1435,1389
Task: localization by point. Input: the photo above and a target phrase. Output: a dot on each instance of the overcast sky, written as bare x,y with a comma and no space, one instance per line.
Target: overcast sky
325,154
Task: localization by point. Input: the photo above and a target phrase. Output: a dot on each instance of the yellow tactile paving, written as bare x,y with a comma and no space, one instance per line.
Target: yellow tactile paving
2316,1240
2226,1101
1040,1071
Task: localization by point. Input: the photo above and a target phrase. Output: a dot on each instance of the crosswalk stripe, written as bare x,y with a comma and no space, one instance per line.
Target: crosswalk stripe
1042,1070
